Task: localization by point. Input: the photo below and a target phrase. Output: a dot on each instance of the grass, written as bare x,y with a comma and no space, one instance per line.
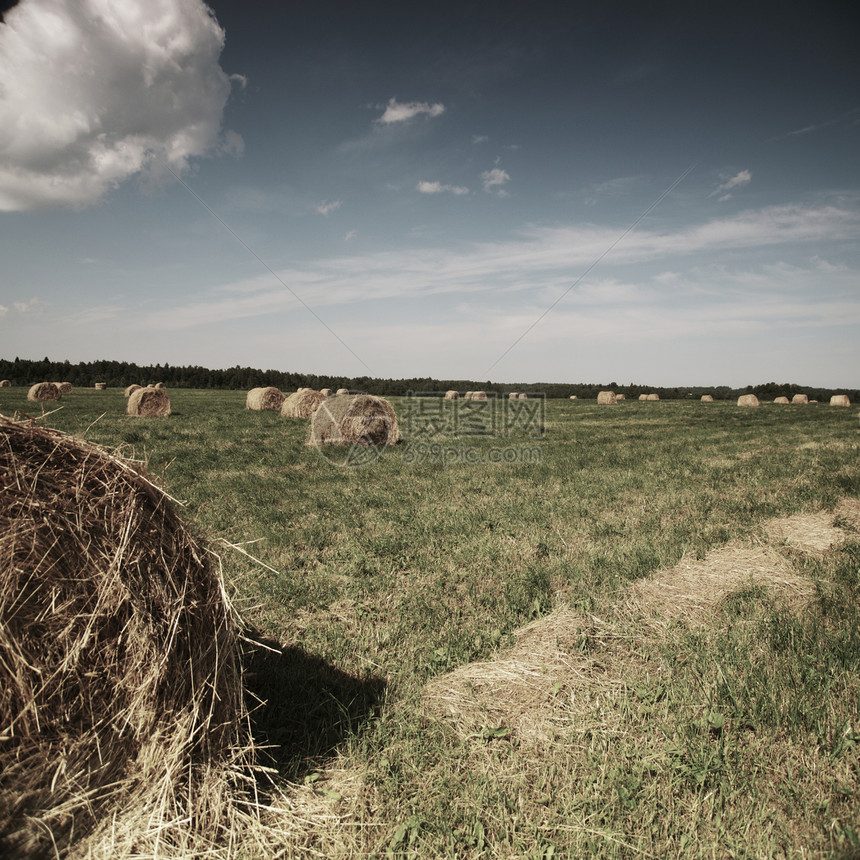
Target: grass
736,738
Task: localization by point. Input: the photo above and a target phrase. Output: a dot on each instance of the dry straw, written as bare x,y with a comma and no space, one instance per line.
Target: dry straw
342,392
131,389
840,400
748,400
264,398
302,404
800,398
327,392
4,383
121,698
707,398
607,398
160,386
452,395
652,396
149,401
44,391
357,420
781,400
100,386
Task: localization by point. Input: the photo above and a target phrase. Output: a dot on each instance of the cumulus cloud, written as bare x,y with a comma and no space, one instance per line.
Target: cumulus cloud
96,91
438,188
738,180
325,207
495,178
400,112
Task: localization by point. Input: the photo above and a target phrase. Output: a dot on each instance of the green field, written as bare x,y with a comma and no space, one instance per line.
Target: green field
733,734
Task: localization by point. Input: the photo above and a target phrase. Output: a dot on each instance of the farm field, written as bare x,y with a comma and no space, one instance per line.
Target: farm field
641,637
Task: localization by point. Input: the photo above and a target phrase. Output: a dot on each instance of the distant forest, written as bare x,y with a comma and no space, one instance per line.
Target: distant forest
119,374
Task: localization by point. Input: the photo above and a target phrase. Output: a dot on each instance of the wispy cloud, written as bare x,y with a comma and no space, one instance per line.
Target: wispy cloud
94,93
480,138
740,179
495,178
326,207
439,188
350,235
402,111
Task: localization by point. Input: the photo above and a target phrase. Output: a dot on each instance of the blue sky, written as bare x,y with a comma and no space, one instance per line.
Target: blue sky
650,193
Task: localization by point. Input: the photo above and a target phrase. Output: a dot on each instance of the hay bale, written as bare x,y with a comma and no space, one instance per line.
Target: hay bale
620,397
261,399
119,666
523,396
44,391
326,392
160,386
65,387
607,398
4,383
302,404
100,386
707,398
783,400
800,398
643,396
342,392
840,400
360,419
652,396
748,400
514,395
131,389
452,395
479,395
149,401
573,397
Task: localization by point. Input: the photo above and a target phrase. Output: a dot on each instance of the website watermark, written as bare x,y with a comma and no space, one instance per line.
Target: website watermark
420,453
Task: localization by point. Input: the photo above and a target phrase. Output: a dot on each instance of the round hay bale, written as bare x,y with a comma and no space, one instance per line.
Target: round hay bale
100,386
131,389
119,663
840,400
149,401
748,400
643,396
479,395
573,397
342,392
514,395
800,398
652,396
360,419
302,404
620,397
160,386
452,395
44,391
326,392
607,398
783,400
4,383
65,387
707,398
523,396
261,399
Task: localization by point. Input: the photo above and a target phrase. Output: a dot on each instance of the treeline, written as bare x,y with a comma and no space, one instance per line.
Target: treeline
119,374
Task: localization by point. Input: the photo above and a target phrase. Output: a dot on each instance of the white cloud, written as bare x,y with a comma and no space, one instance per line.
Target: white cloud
479,138
3,310
738,180
350,235
400,112
32,306
96,91
438,188
495,178
325,207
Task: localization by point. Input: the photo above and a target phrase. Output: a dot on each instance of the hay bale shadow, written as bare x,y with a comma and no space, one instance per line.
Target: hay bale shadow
302,708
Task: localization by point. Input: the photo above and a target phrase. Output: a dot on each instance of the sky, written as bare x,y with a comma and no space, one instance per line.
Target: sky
656,193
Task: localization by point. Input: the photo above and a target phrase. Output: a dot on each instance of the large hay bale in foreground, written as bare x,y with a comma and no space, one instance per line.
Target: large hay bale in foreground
782,400
149,402
840,400
360,419
4,383
800,398
707,398
120,682
261,399
44,391
131,389
606,398
100,386
452,395
302,404
748,400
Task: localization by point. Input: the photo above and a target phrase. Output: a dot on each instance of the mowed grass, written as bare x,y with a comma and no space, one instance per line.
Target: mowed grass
737,739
